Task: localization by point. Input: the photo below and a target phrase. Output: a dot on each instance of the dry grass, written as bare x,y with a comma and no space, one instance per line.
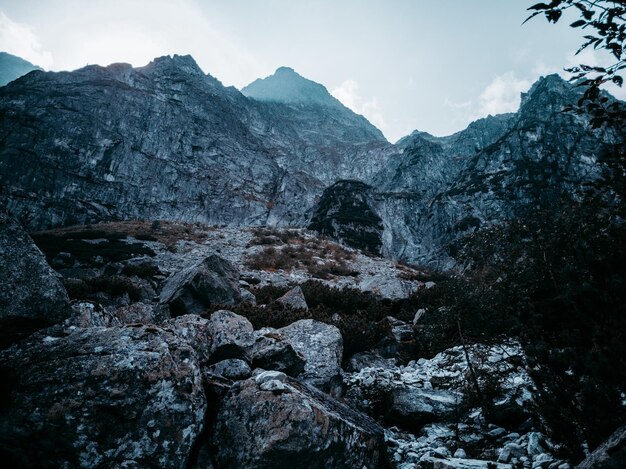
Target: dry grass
321,258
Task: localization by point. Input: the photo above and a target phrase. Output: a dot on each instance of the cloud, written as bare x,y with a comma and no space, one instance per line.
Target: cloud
19,39
502,94
348,94
597,58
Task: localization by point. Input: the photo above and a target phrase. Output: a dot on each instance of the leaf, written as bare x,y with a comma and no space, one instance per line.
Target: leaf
619,81
578,23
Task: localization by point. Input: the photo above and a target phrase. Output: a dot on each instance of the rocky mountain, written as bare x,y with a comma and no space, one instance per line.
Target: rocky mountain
13,67
167,141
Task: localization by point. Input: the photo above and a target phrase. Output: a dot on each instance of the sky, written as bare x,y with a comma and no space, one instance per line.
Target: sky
406,65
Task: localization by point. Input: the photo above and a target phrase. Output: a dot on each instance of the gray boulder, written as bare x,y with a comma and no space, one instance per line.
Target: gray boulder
321,345
213,280
413,407
294,298
196,331
272,351
232,368
272,420
31,295
100,397
232,336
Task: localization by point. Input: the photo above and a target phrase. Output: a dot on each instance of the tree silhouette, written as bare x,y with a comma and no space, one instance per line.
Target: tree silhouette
604,22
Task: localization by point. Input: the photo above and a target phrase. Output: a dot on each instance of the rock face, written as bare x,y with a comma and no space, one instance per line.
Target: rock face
207,152
345,213
232,335
497,169
211,281
321,345
31,295
271,420
102,396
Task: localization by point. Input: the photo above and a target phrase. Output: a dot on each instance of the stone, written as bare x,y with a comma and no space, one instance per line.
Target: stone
232,336
89,314
369,359
460,453
142,313
232,368
413,407
272,420
611,453
101,397
272,351
321,345
213,280
511,451
247,296
196,331
294,298
31,295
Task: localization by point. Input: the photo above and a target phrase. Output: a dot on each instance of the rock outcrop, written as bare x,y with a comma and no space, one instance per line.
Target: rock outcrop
31,294
610,454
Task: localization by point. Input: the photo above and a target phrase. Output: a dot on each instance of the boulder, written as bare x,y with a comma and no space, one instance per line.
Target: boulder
31,295
271,420
294,298
232,336
412,407
272,351
232,368
370,359
100,397
196,331
213,280
610,454
321,346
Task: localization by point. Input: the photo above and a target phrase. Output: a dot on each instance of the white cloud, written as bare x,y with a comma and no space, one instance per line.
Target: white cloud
348,94
19,39
502,94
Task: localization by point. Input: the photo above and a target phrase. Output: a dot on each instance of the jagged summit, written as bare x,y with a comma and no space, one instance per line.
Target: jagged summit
184,63
287,86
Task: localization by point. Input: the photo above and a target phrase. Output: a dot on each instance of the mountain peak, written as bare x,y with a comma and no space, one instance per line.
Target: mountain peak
185,63
13,67
287,86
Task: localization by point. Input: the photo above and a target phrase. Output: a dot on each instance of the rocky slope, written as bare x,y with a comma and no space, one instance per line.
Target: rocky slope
135,378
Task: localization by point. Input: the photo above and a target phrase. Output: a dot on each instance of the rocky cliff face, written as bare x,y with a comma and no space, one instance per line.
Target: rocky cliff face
166,141
498,168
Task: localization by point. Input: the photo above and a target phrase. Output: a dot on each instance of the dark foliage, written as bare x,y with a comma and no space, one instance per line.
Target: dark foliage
558,282
604,22
92,288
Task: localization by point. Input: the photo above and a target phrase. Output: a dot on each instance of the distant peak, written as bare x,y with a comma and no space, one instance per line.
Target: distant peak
285,70
287,86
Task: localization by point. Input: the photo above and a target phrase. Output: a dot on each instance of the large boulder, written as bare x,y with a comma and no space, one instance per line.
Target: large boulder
232,336
610,454
272,351
213,280
100,397
31,295
271,420
321,345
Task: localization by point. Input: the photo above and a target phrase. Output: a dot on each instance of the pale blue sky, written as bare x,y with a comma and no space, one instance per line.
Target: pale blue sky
404,64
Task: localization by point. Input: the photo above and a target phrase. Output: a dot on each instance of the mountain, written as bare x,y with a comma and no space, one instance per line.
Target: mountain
166,141
13,67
